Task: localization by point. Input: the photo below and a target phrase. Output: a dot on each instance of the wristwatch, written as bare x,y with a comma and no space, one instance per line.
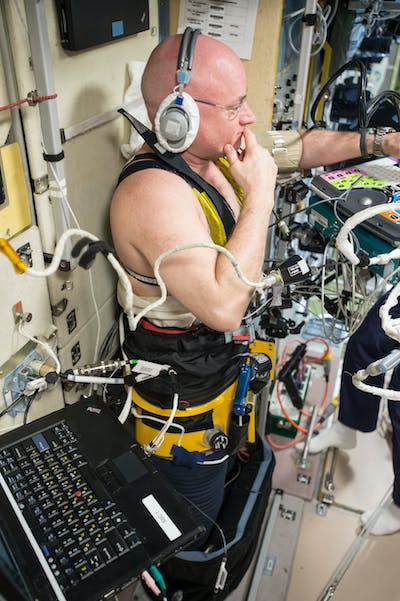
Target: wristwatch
380,133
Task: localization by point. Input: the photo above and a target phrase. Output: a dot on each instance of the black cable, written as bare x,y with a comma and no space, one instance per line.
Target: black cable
366,110
307,208
31,398
17,401
373,104
214,522
12,405
275,214
107,342
362,95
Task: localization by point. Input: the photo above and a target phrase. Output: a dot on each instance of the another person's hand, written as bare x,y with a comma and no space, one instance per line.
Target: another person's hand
391,144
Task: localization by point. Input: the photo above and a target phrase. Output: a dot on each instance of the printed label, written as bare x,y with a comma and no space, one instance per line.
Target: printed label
318,218
161,517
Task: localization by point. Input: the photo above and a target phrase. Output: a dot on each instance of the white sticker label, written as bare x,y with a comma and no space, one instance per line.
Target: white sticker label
162,519
149,368
318,218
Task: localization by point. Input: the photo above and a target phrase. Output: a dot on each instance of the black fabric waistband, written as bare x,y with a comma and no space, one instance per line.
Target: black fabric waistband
205,363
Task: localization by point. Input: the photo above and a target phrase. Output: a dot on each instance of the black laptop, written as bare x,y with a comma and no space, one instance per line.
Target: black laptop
83,511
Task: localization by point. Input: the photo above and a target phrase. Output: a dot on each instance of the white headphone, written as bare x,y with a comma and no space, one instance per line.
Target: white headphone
177,119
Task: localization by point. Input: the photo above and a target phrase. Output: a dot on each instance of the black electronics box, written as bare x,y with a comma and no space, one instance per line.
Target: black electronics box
87,23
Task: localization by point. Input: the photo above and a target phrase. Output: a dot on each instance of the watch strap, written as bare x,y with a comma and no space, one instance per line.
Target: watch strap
380,133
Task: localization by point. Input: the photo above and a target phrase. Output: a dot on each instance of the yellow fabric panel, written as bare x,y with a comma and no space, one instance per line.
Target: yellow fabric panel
223,165
221,408
217,230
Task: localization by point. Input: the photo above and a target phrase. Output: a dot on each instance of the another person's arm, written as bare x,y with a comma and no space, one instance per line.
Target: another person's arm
304,149
324,147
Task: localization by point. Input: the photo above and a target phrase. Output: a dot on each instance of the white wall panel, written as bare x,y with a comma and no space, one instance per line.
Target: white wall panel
32,293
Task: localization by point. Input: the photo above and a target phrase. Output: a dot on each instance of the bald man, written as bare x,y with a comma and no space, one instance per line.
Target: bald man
156,208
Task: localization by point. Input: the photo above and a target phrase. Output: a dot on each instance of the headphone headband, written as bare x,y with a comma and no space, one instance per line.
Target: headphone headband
186,54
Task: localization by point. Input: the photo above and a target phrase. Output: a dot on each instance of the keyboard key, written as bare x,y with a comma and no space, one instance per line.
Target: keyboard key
40,442
58,522
95,560
107,551
82,537
117,542
18,452
83,570
73,551
98,537
125,530
87,547
132,541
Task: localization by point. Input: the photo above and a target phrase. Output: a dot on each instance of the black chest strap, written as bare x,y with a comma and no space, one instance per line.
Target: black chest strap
176,164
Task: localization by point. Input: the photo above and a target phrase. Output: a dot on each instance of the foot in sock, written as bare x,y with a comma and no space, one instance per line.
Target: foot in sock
387,522
338,435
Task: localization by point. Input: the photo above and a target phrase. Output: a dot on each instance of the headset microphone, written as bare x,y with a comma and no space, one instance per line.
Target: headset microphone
177,119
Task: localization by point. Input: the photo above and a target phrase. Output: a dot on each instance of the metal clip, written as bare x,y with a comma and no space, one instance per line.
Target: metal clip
32,98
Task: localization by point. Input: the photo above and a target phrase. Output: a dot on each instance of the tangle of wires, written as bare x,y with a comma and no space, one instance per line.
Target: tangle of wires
113,395
323,358
344,293
359,65
324,18
375,13
366,108
342,296
353,302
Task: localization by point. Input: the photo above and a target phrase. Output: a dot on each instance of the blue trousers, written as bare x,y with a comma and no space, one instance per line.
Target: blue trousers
201,485
358,409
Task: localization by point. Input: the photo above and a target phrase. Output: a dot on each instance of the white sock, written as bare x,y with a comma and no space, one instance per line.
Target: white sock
338,435
388,521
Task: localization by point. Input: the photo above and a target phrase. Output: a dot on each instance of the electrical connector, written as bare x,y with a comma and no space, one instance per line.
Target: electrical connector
150,583
155,572
383,365
33,386
222,576
328,411
283,229
327,362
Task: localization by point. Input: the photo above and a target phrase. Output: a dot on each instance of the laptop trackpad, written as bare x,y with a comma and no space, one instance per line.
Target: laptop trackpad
128,467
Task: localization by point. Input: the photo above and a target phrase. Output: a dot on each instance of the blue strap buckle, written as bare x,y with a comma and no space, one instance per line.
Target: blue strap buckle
239,403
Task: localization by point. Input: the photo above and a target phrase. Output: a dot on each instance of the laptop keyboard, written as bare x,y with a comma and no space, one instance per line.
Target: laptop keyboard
389,173
78,527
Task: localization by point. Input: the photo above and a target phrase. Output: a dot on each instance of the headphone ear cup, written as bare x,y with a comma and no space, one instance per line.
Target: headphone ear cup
176,125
